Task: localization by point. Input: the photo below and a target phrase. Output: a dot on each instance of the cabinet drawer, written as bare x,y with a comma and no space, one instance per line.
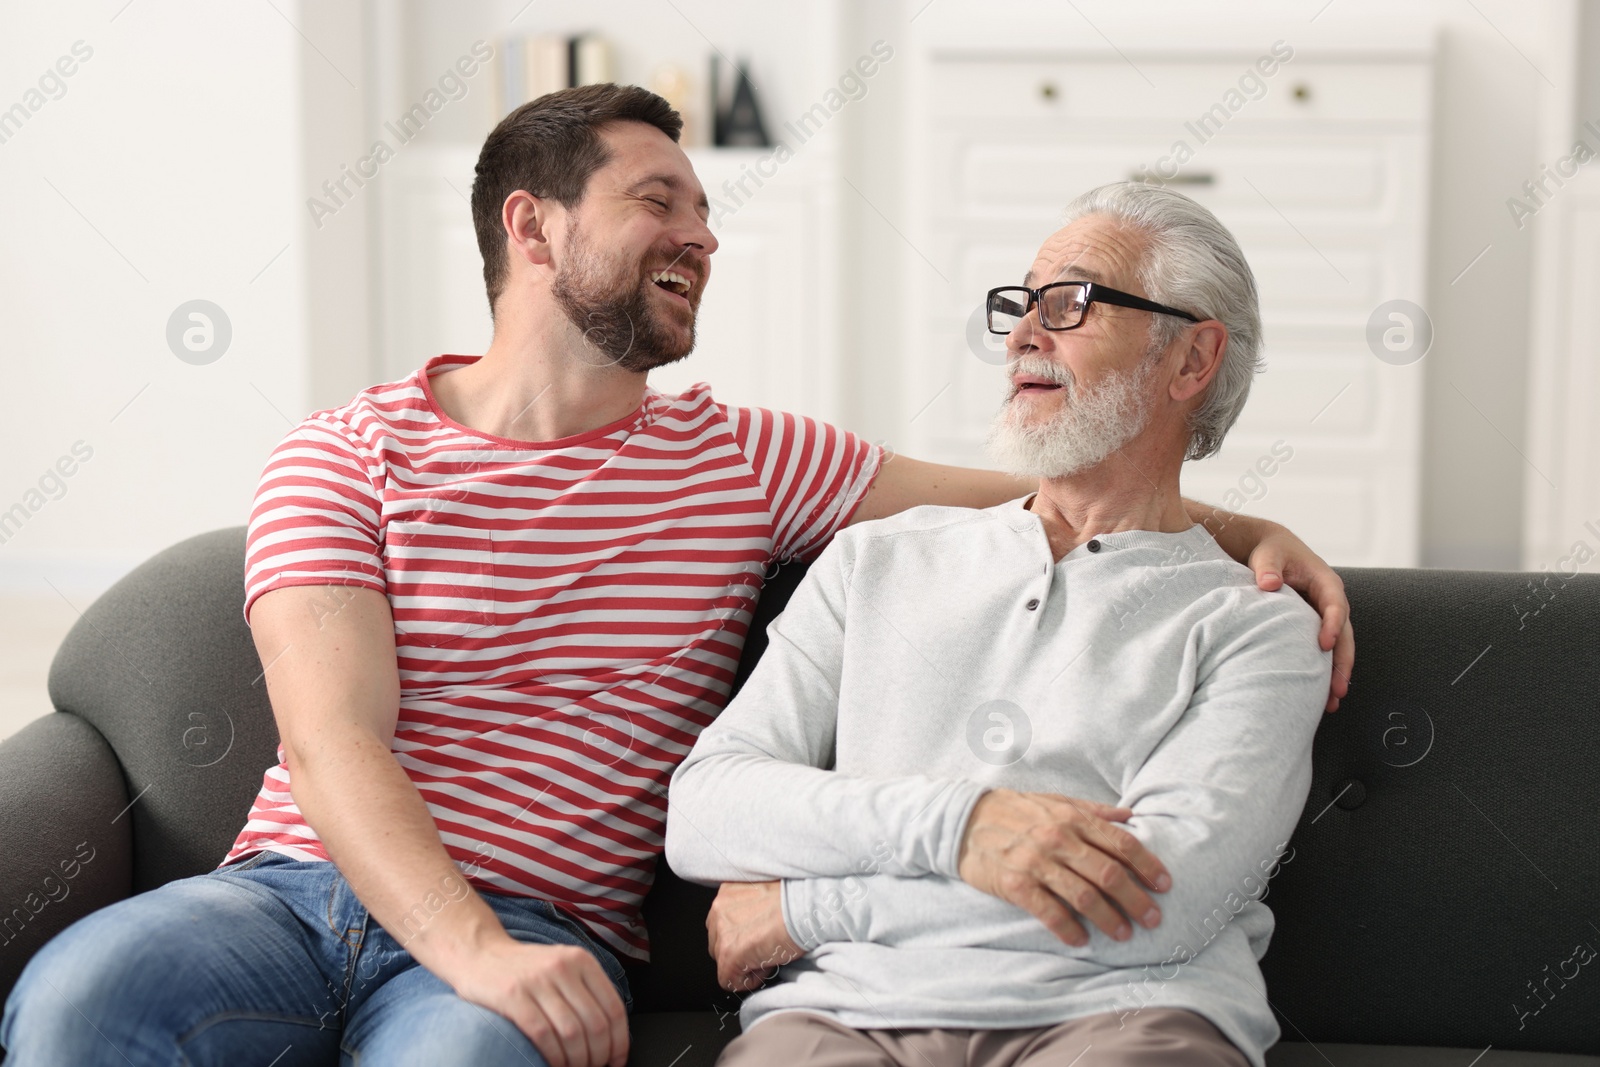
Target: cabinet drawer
1357,178
1173,91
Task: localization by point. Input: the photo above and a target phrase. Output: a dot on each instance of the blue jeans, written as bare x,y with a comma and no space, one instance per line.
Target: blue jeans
268,961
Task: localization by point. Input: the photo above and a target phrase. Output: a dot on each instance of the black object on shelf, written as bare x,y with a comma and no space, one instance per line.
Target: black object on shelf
736,124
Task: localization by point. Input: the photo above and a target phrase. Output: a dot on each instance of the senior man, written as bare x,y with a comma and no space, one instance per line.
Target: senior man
976,732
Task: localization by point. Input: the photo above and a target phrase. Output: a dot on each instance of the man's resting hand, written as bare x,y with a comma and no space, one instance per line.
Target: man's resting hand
1044,852
746,934
558,995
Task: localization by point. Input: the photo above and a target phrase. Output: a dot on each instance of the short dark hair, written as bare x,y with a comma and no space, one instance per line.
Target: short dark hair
550,147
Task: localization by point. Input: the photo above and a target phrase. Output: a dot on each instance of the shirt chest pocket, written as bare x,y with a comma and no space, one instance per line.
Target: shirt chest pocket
441,582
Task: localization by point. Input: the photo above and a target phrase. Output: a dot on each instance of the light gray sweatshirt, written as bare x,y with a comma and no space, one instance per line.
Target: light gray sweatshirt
930,656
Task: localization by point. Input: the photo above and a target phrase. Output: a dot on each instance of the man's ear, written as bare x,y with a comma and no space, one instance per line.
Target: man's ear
527,220
1205,342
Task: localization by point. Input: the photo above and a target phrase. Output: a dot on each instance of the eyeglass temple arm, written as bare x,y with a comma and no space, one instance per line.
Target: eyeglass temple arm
1127,300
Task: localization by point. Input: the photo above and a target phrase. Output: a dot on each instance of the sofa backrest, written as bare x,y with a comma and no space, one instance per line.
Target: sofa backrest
1446,869
1442,882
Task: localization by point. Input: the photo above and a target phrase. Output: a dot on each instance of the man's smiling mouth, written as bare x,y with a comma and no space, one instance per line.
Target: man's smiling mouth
671,281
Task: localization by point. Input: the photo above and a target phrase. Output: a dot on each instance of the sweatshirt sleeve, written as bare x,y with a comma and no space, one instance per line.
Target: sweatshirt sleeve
1219,796
757,797
1215,801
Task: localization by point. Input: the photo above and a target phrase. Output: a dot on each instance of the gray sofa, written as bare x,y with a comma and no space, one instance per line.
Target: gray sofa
1445,869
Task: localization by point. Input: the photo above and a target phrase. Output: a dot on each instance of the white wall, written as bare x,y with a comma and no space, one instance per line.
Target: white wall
338,251
167,171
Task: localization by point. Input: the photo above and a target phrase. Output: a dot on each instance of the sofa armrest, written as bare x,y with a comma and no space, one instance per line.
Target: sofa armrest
66,846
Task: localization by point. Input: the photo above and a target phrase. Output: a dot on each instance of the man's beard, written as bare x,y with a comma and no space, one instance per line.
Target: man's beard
1088,427
613,310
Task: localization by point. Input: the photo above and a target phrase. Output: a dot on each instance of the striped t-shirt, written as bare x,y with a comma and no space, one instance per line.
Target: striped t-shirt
568,614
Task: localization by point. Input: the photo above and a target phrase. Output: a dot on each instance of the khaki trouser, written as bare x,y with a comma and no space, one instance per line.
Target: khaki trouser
1155,1036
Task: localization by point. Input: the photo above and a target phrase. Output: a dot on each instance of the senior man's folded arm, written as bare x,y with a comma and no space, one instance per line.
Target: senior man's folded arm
1217,800
757,799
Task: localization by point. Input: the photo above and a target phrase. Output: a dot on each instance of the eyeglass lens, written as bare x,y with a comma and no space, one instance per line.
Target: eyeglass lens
1061,308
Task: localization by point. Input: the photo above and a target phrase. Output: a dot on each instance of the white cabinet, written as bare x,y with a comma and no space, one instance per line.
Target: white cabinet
1323,179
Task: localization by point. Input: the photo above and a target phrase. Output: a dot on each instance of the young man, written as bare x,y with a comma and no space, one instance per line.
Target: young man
496,602
957,705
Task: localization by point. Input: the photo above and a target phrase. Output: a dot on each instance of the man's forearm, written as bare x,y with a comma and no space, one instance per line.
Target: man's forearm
377,829
926,912
748,817
904,483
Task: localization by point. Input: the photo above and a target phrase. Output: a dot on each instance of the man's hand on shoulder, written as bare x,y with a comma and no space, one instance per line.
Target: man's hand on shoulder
746,934
1279,558
558,995
1044,852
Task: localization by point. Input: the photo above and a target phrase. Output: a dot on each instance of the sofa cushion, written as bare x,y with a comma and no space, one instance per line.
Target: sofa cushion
679,1038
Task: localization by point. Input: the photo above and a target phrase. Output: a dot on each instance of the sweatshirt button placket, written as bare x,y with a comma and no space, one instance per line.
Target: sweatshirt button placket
1046,578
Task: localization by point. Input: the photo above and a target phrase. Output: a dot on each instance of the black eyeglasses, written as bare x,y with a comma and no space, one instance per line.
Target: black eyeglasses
1062,305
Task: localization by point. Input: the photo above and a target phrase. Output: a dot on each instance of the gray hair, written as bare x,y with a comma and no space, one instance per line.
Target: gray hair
1192,262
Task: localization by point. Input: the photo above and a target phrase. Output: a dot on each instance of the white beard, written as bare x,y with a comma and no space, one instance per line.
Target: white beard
1088,427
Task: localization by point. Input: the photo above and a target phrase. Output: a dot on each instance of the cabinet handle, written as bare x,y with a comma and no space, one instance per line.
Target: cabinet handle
1201,178
1301,92
1048,90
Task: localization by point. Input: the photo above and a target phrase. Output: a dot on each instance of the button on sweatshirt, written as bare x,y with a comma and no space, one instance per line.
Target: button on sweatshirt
931,656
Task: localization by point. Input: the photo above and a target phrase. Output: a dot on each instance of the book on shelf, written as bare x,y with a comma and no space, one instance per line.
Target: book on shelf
528,66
